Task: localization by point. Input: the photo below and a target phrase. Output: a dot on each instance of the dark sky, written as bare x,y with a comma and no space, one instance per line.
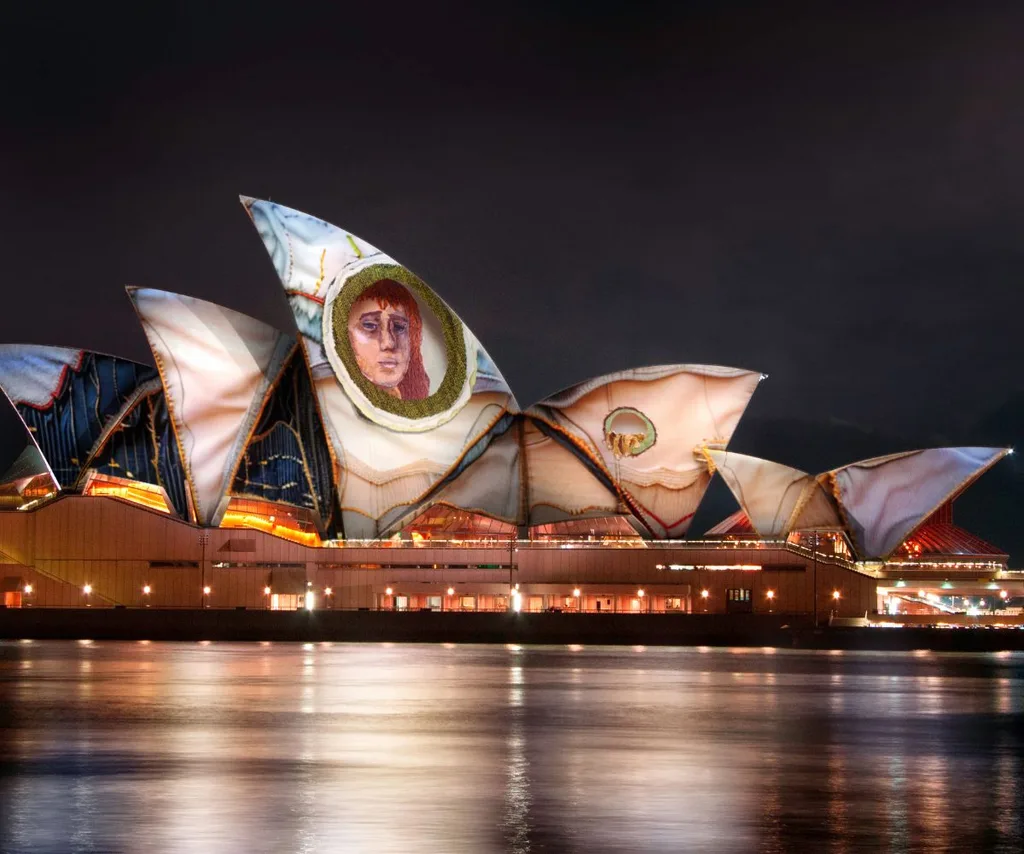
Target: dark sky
833,196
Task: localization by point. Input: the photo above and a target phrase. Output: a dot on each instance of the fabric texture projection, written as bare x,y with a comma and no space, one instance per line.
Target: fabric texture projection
647,431
776,499
70,400
217,366
404,387
287,460
886,498
142,446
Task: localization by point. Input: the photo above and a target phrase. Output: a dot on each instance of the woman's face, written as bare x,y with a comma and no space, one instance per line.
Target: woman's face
380,341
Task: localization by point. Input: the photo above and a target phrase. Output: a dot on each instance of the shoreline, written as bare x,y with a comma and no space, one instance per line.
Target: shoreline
736,630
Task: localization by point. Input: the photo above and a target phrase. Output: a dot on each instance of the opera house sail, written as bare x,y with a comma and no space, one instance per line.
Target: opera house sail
371,450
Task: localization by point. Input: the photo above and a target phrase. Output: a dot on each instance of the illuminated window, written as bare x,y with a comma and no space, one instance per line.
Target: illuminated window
289,523
145,494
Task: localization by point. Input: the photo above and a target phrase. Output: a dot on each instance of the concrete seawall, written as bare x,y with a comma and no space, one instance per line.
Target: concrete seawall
434,627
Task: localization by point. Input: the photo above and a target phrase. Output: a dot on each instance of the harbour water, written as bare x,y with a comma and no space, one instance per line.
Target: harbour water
216,747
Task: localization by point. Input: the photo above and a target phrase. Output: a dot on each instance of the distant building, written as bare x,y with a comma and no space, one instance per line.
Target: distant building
375,457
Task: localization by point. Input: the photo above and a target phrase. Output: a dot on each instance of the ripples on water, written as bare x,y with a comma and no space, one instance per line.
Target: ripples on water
136,747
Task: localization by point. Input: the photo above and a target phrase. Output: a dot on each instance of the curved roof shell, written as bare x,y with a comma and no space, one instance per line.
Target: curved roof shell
382,404
878,502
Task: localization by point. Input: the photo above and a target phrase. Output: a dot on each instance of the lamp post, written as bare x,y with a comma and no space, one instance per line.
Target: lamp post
704,595
771,598
579,601
204,538
814,555
206,596
87,591
640,595
146,590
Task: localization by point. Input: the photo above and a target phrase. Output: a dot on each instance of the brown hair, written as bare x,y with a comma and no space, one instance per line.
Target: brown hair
415,385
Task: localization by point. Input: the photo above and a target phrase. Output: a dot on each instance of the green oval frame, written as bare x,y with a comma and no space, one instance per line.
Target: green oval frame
650,434
454,342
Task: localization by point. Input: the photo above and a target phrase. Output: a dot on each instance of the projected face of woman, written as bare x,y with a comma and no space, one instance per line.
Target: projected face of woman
380,338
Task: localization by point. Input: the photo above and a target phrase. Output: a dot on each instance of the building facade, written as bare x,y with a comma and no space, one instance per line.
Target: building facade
374,457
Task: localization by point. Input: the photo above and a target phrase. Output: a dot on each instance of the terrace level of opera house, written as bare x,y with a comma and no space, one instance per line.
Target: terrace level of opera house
374,457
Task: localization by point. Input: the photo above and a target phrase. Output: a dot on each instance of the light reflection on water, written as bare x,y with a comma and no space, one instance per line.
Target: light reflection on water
392,748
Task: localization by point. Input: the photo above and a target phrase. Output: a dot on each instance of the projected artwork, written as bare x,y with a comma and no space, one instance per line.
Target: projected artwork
404,387
646,433
394,344
217,367
70,399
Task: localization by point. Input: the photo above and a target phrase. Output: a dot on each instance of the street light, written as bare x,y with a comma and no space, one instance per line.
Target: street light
206,596
704,595
771,598
1003,594
835,594
576,592
87,589
28,589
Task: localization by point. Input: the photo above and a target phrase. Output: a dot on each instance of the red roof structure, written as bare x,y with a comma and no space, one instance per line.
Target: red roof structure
939,537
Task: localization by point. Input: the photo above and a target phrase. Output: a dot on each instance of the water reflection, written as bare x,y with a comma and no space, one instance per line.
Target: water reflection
392,748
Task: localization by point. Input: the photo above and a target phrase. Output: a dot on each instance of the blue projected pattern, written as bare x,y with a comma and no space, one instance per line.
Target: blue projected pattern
142,447
287,460
68,398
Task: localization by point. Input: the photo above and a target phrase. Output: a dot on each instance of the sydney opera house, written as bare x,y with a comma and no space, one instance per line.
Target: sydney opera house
374,457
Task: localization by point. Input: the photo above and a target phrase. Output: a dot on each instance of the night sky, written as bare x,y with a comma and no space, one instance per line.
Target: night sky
831,196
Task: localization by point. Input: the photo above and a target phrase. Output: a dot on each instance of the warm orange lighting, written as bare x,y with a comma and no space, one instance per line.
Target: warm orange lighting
640,593
146,590
28,589
388,591
1002,594
145,494
266,591
328,591
704,594
451,591
576,592
770,594
835,594
206,591
921,594
87,589
267,517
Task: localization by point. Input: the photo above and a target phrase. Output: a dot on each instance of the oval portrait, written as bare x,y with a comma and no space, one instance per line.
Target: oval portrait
398,351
